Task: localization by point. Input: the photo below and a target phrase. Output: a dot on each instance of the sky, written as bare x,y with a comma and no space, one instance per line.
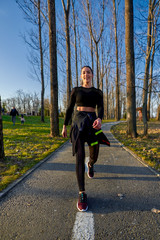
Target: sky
14,66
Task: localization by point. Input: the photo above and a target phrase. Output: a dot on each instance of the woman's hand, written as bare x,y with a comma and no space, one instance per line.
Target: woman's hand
64,131
97,123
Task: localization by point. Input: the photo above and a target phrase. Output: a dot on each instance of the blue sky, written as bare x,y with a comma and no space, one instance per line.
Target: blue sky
14,66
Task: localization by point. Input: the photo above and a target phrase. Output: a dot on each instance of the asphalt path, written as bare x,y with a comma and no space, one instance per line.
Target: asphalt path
121,199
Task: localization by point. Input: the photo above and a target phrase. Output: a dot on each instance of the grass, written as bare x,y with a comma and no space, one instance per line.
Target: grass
25,145
147,148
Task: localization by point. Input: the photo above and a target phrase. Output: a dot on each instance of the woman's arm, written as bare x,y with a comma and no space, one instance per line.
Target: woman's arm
98,122
100,105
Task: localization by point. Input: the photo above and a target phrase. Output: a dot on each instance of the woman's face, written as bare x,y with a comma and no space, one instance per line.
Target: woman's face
86,75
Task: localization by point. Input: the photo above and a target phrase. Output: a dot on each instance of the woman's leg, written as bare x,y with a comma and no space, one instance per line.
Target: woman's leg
80,171
94,151
80,165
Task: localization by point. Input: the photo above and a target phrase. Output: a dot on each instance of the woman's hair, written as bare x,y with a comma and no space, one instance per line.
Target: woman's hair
87,67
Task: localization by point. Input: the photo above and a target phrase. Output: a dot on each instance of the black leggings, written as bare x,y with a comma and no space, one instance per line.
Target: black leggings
80,160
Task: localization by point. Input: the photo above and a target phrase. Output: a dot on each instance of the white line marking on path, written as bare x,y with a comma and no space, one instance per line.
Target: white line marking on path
84,226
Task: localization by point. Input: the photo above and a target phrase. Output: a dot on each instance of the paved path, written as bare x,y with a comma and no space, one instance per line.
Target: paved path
120,197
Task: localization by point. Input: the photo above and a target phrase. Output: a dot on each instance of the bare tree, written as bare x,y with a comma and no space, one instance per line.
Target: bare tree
32,10
158,113
108,83
1,135
102,66
107,91
141,34
147,64
88,38
94,35
112,102
130,69
36,103
75,40
68,51
80,51
27,103
22,100
41,60
92,57
117,108
150,81
154,48
54,119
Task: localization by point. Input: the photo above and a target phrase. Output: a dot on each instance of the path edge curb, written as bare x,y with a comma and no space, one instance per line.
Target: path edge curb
135,155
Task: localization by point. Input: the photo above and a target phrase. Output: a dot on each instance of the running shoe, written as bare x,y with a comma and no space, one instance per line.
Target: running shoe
90,172
82,202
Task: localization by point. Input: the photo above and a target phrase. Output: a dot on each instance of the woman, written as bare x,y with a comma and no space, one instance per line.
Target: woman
85,126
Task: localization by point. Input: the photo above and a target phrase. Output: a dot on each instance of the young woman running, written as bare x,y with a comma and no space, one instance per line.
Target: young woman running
84,128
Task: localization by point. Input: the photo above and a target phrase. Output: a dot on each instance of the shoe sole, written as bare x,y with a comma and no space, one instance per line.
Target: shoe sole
88,175
82,210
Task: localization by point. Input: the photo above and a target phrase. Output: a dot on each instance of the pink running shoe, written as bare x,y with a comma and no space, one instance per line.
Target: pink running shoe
82,202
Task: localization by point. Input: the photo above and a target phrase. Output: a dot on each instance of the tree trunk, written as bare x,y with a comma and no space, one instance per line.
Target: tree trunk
75,43
130,69
150,90
158,113
151,72
68,53
106,96
97,67
147,63
92,58
102,68
80,52
112,109
117,109
1,135
41,59
54,120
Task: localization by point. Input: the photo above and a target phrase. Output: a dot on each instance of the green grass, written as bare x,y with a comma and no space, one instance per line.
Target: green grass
25,145
147,148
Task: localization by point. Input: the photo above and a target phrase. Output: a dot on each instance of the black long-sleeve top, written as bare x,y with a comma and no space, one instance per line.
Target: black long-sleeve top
87,97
